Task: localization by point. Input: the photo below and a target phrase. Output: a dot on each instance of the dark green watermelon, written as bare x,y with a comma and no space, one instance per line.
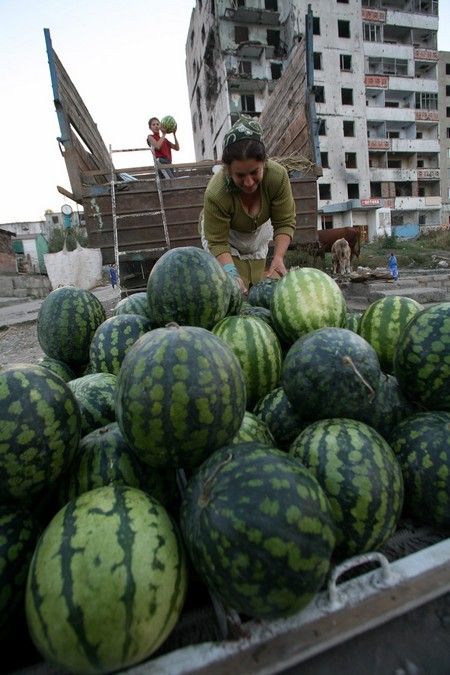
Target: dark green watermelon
39,431
188,286
57,367
353,321
253,429
67,321
361,478
330,372
113,338
181,395
106,583
279,416
261,293
259,312
236,297
104,458
95,395
422,446
136,303
258,529
422,358
387,409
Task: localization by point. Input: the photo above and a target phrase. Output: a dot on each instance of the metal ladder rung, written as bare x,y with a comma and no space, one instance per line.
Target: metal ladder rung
136,215
143,250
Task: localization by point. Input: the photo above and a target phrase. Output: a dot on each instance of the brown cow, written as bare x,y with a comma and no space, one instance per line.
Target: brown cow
340,257
351,234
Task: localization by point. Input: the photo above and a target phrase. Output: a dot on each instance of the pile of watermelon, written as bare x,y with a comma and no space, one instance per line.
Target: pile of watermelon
248,444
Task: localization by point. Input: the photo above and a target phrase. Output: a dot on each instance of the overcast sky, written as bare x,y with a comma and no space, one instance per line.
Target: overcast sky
127,60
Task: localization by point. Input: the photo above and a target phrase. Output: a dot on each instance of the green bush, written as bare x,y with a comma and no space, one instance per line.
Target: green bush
72,235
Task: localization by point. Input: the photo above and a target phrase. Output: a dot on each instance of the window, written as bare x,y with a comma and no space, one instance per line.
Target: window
203,146
419,134
317,58
393,134
276,70
271,4
448,111
447,68
321,127
421,191
55,220
344,29
426,101
316,25
273,38
447,90
324,191
372,32
346,62
392,104
240,34
353,190
448,153
211,125
241,3
344,2
200,4
327,221
350,160
420,163
375,189
247,103
422,219
245,68
324,160
394,163
349,128
319,94
347,96
448,132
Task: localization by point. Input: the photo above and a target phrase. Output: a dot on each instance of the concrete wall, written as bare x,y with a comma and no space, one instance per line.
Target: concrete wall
24,286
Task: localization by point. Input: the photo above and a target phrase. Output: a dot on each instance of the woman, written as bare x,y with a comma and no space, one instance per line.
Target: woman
162,148
248,203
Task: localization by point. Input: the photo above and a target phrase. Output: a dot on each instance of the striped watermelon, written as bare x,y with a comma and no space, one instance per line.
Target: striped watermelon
188,286
168,124
112,340
258,529
353,321
260,295
133,304
57,367
387,409
104,458
39,431
330,372
236,297
258,351
181,395
67,321
106,583
422,446
304,300
253,429
95,395
422,359
382,324
361,478
259,312
18,534
279,416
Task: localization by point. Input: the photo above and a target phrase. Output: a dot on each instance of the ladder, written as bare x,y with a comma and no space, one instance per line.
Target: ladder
118,254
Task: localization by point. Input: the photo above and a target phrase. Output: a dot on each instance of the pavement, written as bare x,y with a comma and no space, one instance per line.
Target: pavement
22,312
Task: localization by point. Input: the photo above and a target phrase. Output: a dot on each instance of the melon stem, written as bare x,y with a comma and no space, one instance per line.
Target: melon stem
348,361
206,492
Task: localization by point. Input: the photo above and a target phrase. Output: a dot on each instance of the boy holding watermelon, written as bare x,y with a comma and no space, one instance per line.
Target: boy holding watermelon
161,146
248,203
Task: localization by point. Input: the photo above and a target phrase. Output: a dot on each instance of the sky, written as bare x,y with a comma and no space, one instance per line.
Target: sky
127,60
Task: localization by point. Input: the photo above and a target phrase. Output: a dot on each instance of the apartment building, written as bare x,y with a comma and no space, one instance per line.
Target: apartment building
444,119
376,91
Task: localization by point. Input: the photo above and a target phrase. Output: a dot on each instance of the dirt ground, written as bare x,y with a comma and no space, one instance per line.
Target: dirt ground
19,344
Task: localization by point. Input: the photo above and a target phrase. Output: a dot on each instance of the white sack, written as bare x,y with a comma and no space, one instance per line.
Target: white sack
81,268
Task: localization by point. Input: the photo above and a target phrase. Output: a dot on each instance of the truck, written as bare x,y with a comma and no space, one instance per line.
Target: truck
386,611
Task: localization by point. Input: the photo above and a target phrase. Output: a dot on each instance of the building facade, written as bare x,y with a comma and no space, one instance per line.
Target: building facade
444,119
376,90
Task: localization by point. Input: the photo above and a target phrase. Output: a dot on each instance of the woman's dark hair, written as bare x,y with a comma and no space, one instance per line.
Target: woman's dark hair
151,120
244,149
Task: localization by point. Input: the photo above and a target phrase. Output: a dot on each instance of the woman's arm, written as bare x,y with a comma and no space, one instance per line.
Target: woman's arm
155,144
281,244
176,145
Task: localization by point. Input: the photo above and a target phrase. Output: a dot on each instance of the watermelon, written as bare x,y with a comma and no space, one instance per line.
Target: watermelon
236,297
330,372
253,429
39,431
304,300
422,358
422,446
112,340
18,534
361,478
133,304
106,583
95,395
188,286
353,321
58,367
181,395
258,351
258,529
387,409
168,124
382,324
277,413
103,458
260,312
66,323
261,293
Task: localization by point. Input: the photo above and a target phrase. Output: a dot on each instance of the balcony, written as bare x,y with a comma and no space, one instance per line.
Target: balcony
393,175
428,174
246,84
250,50
383,114
253,15
417,203
414,145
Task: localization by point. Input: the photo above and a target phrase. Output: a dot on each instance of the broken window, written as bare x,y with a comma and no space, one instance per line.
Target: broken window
271,4
346,62
349,128
403,189
353,190
316,25
245,68
327,221
321,127
319,94
248,103
324,191
375,189
240,34
350,160
275,70
273,38
324,160
347,96
317,58
344,29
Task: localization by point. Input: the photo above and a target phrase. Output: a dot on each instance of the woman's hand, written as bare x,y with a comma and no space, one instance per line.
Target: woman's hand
277,268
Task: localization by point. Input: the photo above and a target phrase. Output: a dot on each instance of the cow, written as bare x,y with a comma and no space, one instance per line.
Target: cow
340,257
351,234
